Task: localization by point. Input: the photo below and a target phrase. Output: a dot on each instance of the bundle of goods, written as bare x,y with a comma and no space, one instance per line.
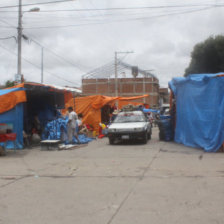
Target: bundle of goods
128,107
57,130
165,128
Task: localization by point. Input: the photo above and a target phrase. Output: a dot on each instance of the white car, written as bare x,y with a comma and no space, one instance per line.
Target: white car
130,125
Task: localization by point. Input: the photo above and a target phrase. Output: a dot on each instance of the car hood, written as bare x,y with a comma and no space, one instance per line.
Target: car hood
128,125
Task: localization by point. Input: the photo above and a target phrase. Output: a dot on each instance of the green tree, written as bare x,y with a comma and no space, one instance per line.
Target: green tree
207,57
9,83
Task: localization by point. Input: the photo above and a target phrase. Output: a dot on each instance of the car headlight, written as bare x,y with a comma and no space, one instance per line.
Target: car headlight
110,130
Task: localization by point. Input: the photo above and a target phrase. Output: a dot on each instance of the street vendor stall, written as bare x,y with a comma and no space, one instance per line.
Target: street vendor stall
199,110
91,107
28,107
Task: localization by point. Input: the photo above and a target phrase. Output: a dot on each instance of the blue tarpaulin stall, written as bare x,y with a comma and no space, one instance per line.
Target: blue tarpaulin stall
11,113
20,104
199,110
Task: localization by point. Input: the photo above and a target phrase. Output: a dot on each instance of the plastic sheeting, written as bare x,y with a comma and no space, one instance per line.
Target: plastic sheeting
11,112
14,117
57,130
90,107
150,110
199,110
9,98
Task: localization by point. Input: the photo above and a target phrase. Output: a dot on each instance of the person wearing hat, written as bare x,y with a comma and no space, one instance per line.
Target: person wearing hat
113,115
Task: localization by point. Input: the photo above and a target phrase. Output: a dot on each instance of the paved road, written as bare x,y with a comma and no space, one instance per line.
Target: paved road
157,183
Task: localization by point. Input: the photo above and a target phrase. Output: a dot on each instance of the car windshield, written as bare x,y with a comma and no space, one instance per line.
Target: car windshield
129,117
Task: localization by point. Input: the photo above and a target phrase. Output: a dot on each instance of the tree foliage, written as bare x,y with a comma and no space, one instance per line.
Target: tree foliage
9,83
207,57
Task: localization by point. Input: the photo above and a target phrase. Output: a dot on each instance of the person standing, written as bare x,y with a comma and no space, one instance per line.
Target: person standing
72,117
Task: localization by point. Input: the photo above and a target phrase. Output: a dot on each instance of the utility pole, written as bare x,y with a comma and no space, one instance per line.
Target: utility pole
116,84
146,73
19,39
42,65
144,76
115,68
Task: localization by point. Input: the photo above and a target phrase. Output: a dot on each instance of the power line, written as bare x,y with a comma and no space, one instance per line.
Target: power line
10,25
6,38
55,75
124,20
57,55
52,52
106,70
110,9
37,3
132,8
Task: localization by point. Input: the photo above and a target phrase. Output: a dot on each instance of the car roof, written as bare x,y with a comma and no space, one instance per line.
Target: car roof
136,112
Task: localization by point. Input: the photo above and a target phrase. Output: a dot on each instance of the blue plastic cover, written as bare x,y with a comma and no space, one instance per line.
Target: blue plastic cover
14,117
199,110
57,129
5,91
150,110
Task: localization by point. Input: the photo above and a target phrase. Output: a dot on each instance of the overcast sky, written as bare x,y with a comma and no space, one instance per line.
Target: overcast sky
75,42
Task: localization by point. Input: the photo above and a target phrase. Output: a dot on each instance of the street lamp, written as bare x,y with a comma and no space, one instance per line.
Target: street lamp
35,9
19,38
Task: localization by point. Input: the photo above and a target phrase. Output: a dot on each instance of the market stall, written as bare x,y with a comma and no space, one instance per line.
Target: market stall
93,107
28,107
198,108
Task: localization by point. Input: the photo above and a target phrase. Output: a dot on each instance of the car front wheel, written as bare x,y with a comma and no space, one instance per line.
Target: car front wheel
111,141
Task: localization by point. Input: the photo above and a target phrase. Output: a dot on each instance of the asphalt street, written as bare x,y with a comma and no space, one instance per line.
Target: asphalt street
156,183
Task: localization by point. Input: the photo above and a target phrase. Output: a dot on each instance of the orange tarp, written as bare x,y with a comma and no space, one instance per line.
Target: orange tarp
69,101
11,99
90,107
132,98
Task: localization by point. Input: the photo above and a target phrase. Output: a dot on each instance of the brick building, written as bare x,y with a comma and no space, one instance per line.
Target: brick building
164,96
126,87
145,83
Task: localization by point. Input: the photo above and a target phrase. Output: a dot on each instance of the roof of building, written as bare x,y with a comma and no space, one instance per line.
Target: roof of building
108,71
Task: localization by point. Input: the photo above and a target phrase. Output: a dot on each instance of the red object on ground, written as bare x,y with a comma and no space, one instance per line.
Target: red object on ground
7,137
100,130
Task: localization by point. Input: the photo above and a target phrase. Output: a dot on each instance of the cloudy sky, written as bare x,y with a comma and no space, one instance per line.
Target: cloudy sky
80,35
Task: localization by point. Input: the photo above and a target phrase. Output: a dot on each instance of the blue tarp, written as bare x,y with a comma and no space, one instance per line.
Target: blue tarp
14,117
6,91
199,110
150,110
57,130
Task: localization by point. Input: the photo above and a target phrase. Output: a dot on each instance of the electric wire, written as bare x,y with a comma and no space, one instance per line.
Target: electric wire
57,55
37,3
111,9
6,38
51,51
38,67
132,8
116,21
119,20
106,70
